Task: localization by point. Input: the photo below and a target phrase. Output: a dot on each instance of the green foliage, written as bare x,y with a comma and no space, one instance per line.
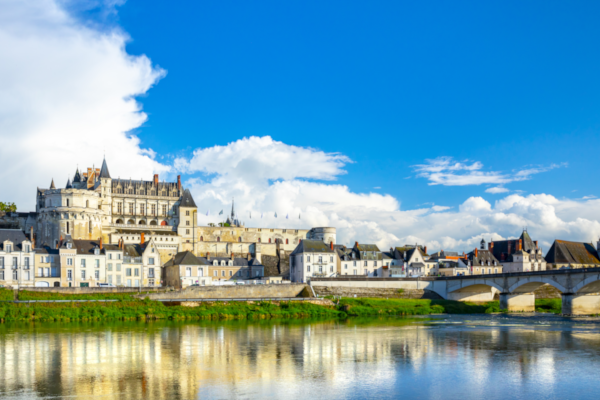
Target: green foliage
6,294
8,207
553,306
154,310
365,306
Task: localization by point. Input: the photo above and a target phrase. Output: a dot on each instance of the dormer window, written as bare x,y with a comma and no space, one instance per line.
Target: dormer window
8,248
96,251
69,245
231,263
222,263
215,263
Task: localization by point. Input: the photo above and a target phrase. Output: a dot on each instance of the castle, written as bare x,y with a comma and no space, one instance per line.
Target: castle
93,205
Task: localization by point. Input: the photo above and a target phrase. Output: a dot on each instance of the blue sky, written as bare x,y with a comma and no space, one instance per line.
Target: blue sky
435,122
389,84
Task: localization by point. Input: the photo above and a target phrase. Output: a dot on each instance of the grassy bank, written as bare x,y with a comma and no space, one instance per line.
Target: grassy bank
7,294
357,307
142,310
553,306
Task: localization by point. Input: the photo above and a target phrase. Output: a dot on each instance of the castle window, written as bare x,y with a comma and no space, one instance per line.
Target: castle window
240,239
218,239
164,192
67,202
287,241
259,240
87,203
202,238
68,232
269,240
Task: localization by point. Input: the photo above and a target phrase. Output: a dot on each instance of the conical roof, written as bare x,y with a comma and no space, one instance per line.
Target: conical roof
52,184
77,177
69,186
187,200
104,171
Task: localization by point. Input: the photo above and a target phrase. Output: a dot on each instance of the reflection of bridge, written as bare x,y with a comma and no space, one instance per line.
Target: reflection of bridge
580,288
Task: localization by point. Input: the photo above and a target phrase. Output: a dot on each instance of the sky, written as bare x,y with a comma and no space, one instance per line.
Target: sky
435,123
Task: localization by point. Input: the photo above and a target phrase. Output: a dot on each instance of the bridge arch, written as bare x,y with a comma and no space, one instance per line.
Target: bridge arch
528,285
470,284
477,290
590,284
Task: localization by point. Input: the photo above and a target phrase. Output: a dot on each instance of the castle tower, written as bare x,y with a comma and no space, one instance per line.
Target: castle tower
105,190
188,218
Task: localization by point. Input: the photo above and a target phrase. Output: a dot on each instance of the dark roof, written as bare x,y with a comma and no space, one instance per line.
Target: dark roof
52,184
409,250
237,261
483,256
69,186
111,247
86,247
187,200
254,263
104,171
504,249
186,258
564,252
367,247
45,250
16,236
77,177
311,246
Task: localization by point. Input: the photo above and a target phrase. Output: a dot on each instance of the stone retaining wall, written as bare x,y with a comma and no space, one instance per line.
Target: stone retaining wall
95,290
233,292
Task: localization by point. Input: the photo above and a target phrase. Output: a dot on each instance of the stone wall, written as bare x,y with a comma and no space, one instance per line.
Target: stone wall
233,292
375,292
547,292
96,290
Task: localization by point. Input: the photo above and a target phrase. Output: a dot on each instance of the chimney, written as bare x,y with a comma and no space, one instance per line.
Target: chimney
155,179
208,256
509,246
491,246
536,243
425,249
100,242
31,238
331,245
475,252
232,257
89,173
97,174
178,182
355,244
520,245
142,238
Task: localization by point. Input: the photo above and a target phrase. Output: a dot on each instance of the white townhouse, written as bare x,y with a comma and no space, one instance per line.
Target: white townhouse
312,258
83,263
16,259
412,261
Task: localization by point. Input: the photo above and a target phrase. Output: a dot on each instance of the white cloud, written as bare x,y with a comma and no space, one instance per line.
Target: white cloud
251,176
66,96
448,172
496,190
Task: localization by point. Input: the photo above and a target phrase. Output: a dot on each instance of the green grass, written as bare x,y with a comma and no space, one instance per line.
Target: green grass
154,310
367,306
32,295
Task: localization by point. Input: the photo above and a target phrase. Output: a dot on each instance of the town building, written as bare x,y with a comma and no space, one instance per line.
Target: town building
185,269
234,268
480,261
312,258
411,261
565,254
47,267
518,255
16,259
82,263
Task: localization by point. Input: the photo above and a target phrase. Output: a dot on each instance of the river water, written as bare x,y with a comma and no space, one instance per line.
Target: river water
441,357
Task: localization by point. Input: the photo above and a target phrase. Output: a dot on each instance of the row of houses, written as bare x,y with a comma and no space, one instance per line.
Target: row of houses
316,259
83,263
90,263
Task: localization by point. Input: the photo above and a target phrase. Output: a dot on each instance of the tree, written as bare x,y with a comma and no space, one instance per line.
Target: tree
8,207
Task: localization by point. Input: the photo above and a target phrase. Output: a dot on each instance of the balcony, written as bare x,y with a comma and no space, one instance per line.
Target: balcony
132,260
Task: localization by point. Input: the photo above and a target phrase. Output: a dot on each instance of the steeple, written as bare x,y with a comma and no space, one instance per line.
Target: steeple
77,177
69,186
52,184
232,209
104,171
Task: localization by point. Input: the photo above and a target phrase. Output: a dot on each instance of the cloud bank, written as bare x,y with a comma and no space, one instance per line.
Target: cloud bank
266,176
67,96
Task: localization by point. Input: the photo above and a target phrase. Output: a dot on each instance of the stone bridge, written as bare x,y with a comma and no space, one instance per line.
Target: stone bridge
580,288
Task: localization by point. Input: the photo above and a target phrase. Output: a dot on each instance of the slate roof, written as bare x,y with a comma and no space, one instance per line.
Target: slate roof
311,246
104,171
187,200
186,258
501,251
46,250
399,252
483,256
237,261
564,252
86,247
16,236
367,247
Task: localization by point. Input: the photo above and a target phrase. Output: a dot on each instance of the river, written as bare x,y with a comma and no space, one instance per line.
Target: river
439,357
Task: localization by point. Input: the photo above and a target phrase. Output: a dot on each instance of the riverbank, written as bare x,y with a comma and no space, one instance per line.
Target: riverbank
127,308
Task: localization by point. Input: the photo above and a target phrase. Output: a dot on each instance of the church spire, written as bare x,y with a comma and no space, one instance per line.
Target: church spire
104,171
52,184
232,209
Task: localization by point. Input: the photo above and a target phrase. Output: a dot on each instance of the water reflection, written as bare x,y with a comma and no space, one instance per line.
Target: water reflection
458,357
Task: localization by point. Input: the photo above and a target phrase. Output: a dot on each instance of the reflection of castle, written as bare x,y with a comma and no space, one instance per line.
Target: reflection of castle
183,361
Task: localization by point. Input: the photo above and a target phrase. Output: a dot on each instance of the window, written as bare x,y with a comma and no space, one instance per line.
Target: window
110,256
110,266
345,266
331,259
355,272
151,260
489,270
118,267
307,258
83,263
97,274
27,248
97,263
366,272
26,262
150,272
15,262
2,275
188,271
287,241
354,262
119,208
142,209
67,202
118,256
136,272
218,238
230,273
1,262
131,209
215,273
118,279
153,209
365,263
127,271
69,261
8,248
110,279
83,274
331,268
495,270
152,250
90,227
187,223
374,263
240,239
187,231
40,271
222,273
269,240
308,268
15,276
320,259
187,213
